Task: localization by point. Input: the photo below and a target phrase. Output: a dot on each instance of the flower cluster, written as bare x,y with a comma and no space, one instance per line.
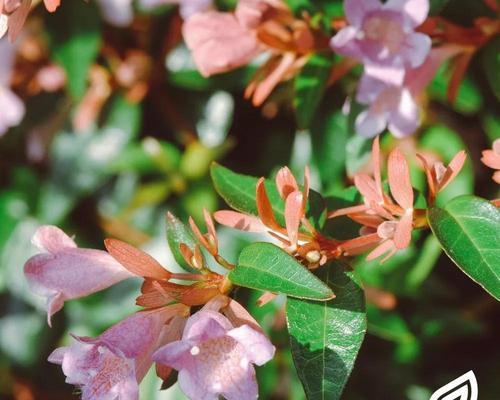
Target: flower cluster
222,41
387,220
400,47
213,349
383,38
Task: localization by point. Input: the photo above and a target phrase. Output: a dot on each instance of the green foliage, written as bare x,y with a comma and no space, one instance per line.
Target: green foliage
80,162
468,229
150,149
265,266
310,85
326,337
75,36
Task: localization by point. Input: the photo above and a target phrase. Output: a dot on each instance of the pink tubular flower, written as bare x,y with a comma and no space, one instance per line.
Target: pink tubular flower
215,358
491,158
111,365
63,271
382,35
391,106
219,42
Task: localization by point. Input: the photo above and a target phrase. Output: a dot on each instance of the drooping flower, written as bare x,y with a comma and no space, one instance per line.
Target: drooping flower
491,158
383,36
215,358
389,105
64,272
11,106
112,365
394,105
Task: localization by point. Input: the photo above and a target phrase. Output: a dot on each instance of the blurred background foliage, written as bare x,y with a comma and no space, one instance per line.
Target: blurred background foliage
139,159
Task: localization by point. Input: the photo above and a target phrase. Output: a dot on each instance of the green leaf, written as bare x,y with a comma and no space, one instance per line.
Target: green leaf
177,233
491,64
468,229
75,38
265,266
239,192
310,86
326,337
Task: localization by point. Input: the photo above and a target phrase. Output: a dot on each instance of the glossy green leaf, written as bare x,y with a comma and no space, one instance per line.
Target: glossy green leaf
468,229
239,192
326,337
75,38
177,233
310,84
265,266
